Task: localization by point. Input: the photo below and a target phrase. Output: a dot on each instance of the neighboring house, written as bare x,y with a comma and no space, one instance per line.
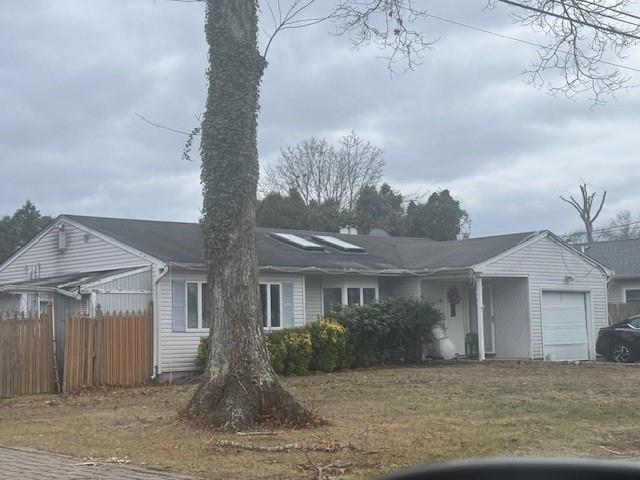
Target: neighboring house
623,257
527,295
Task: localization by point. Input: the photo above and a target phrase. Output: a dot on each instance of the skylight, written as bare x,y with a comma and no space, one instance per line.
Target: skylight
337,243
297,241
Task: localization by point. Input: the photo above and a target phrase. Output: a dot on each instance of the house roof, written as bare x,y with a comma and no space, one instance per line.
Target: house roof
182,243
622,256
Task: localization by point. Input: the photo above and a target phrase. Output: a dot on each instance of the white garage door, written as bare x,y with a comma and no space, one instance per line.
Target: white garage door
564,326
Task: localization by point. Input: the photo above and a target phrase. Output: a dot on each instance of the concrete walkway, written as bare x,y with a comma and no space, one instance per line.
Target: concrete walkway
29,464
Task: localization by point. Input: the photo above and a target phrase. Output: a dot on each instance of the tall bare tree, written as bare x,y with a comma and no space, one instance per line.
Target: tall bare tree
321,173
587,207
239,386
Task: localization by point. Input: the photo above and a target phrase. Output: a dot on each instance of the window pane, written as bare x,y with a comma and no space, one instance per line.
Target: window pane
368,296
192,305
205,307
353,296
263,300
332,298
633,296
275,305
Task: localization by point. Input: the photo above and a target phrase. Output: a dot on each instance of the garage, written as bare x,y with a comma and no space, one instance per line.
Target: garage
564,326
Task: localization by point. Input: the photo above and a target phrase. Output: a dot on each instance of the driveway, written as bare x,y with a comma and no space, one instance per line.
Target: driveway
29,464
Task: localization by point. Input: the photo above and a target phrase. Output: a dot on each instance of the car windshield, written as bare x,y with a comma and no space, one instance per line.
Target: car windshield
315,239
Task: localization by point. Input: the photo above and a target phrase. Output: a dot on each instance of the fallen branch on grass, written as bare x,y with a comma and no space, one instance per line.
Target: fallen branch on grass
246,434
611,451
282,448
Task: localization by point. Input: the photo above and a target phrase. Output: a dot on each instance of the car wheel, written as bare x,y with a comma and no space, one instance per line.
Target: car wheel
621,353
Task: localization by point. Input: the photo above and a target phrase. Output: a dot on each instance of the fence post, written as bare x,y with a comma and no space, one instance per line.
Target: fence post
97,346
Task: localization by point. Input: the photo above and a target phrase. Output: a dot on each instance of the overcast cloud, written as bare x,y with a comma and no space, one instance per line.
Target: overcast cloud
74,73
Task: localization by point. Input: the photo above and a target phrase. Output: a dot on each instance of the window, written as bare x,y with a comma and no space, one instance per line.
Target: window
354,295
337,243
368,296
197,306
271,301
632,296
332,298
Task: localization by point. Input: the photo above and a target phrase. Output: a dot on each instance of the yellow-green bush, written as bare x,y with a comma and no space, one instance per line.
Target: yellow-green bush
290,350
331,346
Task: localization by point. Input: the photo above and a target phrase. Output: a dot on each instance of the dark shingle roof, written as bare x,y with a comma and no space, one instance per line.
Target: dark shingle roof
182,243
622,256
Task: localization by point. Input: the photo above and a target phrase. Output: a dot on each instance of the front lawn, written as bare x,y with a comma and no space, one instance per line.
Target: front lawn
379,420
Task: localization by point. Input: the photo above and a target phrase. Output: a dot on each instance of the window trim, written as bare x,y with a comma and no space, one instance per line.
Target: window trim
268,327
199,328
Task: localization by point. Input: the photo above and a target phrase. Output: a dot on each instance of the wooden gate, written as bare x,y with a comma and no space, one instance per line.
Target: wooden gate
111,349
26,356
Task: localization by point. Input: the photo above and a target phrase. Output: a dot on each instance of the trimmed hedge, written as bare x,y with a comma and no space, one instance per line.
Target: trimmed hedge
391,331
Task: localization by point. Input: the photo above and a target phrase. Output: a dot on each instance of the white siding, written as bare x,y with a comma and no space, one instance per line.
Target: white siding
433,291
84,253
313,297
391,287
618,287
547,265
130,293
177,350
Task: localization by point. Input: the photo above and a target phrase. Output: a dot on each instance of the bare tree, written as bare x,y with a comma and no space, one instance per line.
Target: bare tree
585,37
621,227
585,208
239,386
322,173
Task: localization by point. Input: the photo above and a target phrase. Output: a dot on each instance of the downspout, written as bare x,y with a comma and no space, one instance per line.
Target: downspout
156,318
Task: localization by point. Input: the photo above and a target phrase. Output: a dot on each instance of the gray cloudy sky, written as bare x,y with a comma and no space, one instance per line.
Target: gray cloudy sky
73,74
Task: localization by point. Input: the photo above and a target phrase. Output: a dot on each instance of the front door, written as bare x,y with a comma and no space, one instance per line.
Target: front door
455,315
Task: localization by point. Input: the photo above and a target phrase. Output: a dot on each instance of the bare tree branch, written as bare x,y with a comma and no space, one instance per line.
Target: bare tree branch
582,36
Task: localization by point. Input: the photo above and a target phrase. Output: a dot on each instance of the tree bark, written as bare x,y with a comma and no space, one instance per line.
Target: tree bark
239,388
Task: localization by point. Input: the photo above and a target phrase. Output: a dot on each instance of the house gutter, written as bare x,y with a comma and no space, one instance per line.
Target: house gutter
33,289
156,315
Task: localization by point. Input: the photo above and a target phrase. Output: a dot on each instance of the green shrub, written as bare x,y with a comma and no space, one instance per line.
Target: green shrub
277,349
203,353
331,346
389,331
299,351
361,336
289,350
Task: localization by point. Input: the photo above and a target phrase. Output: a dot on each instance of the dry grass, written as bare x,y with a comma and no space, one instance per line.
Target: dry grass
379,420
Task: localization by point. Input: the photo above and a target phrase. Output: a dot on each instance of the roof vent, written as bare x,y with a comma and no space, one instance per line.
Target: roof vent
297,241
339,244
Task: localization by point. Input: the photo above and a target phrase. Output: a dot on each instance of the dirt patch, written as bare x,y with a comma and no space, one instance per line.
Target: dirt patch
378,420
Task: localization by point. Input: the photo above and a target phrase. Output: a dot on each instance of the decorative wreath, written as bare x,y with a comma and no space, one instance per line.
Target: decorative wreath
453,295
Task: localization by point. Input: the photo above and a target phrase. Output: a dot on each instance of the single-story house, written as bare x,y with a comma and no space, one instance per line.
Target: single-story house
623,257
526,295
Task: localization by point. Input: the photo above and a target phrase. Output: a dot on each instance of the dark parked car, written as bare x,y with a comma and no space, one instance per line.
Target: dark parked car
620,342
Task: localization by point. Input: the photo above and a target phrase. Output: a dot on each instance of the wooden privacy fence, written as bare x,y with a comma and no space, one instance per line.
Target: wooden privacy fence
26,356
111,349
621,311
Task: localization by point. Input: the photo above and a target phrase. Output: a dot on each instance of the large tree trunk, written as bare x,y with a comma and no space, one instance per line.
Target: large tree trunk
239,388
